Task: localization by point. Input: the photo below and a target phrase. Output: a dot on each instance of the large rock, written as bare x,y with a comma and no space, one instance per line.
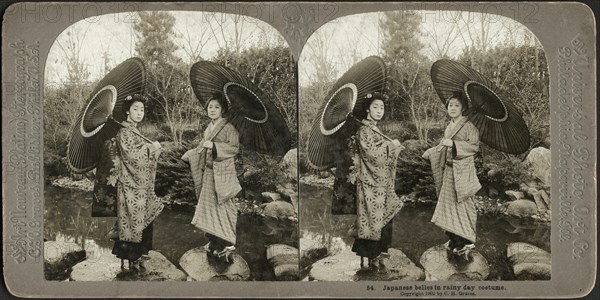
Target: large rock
290,164
539,159
284,260
521,208
270,196
529,262
539,202
311,251
290,193
441,266
546,198
279,210
514,195
345,266
402,268
201,268
107,267
59,258
541,198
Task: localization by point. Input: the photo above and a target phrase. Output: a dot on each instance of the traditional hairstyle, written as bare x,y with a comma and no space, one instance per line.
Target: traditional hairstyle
129,100
461,97
219,98
368,100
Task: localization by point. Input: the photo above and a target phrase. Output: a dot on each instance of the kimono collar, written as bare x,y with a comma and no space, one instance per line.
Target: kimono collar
129,124
213,125
457,120
369,122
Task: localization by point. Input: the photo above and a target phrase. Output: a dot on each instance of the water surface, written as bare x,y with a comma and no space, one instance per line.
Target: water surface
67,217
413,233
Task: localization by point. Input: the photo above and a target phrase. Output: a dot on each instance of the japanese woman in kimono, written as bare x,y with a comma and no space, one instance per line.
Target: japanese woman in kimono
455,177
215,180
377,202
138,205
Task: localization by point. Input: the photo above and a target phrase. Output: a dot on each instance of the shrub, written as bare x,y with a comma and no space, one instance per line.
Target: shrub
505,174
261,173
413,173
173,175
54,165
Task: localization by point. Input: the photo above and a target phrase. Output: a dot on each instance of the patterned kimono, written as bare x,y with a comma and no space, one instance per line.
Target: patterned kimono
377,202
456,179
138,205
216,181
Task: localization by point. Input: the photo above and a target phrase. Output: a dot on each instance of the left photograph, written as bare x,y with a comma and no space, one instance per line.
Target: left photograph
170,150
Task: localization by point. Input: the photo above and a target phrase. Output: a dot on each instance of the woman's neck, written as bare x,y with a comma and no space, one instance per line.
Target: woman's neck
371,120
455,119
215,120
131,122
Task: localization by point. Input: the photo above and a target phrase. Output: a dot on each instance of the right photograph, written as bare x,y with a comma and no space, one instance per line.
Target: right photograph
424,149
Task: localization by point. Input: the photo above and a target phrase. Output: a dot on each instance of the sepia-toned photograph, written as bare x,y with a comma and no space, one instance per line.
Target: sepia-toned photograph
424,149
169,150
299,149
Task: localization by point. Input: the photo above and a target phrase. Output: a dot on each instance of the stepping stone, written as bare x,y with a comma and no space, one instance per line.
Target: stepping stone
345,266
201,268
59,258
284,260
107,267
441,266
529,262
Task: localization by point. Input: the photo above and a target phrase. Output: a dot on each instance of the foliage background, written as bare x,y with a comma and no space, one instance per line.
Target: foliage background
169,43
410,42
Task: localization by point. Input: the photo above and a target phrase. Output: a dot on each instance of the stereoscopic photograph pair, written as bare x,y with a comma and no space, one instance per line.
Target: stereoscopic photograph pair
191,146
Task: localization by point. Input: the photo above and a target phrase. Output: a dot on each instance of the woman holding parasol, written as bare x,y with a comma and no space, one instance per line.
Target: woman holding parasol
105,137
477,114
138,205
237,116
215,213
351,111
377,202
455,211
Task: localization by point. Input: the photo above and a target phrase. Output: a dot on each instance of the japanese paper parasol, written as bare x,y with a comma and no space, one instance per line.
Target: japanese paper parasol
100,117
499,121
343,102
262,127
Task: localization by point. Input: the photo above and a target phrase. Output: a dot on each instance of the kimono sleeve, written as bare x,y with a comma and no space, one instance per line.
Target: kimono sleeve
136,155
230,147
372,147
470,145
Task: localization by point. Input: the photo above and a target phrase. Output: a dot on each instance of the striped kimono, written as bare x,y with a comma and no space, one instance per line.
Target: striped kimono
216,181
456,179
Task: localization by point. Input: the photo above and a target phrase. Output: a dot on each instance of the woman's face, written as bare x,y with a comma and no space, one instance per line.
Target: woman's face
136,112
376,110
455,108
214,110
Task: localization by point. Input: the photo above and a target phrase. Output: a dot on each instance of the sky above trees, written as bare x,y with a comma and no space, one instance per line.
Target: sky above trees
107,40
103,42
349,39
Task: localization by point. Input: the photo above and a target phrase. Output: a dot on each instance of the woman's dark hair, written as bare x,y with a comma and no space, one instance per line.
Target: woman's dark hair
368,100
372,97
461,97
219,98
129,100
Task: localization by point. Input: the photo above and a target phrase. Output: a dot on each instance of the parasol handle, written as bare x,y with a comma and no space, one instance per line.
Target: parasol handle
361,122
145,138
139,134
